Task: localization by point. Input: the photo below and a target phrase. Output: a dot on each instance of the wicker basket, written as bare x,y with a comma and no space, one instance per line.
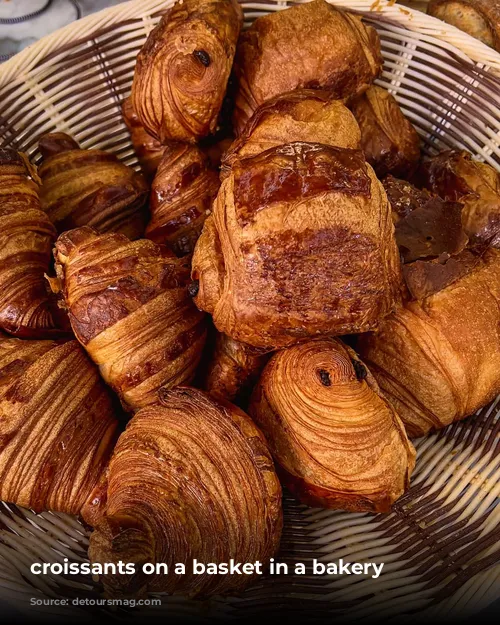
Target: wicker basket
441,542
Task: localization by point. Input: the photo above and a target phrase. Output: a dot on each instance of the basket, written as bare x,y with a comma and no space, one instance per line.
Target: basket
441,542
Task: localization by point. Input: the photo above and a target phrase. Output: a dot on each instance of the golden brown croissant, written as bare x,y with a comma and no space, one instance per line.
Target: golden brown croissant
426,226
90,187
129,307
149,150
191,478
308,115
183,68
57,425
437,359
338,442
454,175
390,142
312,46
479,18
26,237
233,369
300,243
181,197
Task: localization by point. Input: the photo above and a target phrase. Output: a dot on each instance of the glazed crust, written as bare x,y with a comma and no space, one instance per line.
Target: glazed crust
300,243
181,198
309,115
57,425
128,306
190,478
454,175
90,188
233,369
479,18
26,237
312,45
388,139
338,443
149,150
438,359
182,70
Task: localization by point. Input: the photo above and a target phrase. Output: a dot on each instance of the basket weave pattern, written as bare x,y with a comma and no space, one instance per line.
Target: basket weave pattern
441,542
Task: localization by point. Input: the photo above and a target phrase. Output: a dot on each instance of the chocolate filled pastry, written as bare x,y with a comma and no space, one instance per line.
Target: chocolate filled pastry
90,188
57,425
454,175
183,68
309,115
388,139
312,46
437,359
300,242
233,369
426,226
27,309
479,18
181,197
190,478
129,307
149,150
337,441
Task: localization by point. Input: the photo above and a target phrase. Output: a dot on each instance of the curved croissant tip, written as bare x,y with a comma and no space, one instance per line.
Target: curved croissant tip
193,288
56,143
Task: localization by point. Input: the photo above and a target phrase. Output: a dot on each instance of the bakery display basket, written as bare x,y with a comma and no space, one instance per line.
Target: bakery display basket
441,542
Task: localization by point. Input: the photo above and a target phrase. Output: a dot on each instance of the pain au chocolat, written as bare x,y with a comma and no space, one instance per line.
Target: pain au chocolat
190,478
312,46
183,68
337,441
129,307
300,243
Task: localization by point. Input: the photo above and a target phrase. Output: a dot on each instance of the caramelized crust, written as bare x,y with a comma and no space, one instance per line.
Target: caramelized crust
26,237
457,177
128,306
312,46
388,139
181,197
300,243
309,115
233,369
338,443
189,479
90,188
182,70
437,359
149,150
57,427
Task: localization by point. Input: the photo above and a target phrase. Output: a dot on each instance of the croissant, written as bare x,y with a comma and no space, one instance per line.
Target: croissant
303,115
312,46
129,307
181,197
149,150
57,425
233,369
454,175
189,479
90,187
390,142
300,243
26,238
183,68
437,359
479,18
426,226
338,443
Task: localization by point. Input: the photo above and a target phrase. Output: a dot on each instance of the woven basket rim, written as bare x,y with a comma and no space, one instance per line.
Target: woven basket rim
20,64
